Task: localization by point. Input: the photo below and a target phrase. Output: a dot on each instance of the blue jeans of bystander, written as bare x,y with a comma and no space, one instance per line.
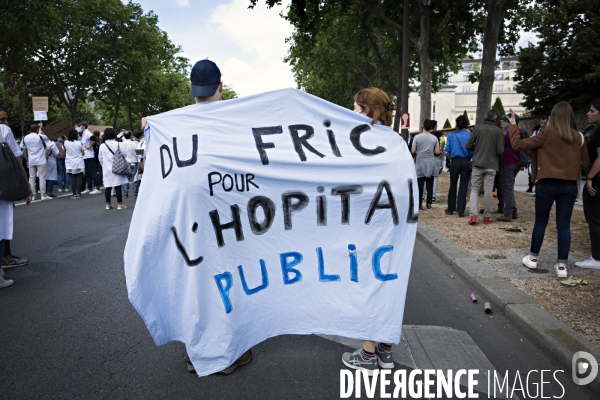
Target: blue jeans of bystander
132,171
545,196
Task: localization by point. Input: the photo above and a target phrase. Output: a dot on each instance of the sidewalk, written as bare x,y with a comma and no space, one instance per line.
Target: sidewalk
489,271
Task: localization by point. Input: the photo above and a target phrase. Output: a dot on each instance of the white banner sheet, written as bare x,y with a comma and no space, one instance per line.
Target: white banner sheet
278,213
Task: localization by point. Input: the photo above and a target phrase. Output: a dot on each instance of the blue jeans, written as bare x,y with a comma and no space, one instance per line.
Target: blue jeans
131,177
50,186
61,174
545,196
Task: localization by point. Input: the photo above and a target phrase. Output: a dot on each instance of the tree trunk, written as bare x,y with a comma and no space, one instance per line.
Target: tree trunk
426,67
495,17
117,105
405,65
129,111
399,99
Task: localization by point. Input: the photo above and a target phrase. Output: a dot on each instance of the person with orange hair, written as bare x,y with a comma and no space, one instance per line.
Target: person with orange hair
375,104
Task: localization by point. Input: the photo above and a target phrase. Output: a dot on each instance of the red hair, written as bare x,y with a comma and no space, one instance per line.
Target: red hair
376,103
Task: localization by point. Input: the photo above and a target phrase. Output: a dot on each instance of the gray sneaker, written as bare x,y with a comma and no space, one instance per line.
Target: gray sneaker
356,361
386,358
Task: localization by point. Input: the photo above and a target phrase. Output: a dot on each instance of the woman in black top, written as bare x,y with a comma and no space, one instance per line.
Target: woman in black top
591,192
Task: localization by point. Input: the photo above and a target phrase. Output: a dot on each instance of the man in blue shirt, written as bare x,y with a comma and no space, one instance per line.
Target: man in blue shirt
460,166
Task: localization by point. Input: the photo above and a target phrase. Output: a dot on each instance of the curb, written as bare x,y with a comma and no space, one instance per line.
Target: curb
542,328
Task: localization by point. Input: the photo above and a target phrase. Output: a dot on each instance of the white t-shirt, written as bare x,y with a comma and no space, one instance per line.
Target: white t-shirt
73,159
85,139
36,151
130,146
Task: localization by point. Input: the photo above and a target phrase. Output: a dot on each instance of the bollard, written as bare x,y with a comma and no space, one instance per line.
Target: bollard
473,297
487,308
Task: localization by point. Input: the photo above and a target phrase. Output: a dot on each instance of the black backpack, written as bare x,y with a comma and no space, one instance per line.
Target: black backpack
13,180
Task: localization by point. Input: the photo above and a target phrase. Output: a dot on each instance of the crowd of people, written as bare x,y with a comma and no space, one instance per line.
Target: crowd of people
82,161
489,157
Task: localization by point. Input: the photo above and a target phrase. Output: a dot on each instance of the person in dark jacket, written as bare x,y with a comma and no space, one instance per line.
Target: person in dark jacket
591,192
509,168
487,143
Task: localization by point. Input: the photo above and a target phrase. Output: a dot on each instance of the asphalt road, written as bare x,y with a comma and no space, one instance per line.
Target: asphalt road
67,329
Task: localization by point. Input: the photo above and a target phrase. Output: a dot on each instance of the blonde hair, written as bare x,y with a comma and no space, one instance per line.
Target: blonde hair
562,119
376,103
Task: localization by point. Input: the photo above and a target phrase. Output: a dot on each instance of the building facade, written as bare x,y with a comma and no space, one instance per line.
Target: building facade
459,94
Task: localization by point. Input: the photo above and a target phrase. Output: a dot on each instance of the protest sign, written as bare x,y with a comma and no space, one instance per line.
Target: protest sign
40,116
278,213
40,104
57,128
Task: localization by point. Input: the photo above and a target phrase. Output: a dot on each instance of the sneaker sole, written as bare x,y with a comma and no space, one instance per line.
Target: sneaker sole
12,266
9,283
369,371
384,364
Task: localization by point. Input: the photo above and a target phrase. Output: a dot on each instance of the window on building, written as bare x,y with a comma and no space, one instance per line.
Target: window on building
465,78
433,110
451,79
499,77
466,89
499,88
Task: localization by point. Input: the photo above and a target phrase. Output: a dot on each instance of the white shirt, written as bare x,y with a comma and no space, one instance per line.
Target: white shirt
129,146
51,172
6,207
73,159
105,156
85,139
36,151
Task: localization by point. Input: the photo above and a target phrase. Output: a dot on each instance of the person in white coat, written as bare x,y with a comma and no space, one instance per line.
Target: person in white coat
51,169
74,163
6,207
108,148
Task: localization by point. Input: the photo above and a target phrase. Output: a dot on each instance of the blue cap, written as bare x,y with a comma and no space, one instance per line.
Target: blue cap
205,78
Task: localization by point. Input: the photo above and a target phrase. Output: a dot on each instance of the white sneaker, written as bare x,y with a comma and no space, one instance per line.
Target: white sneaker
46,197
561,272
529,263
59,189
5,282
86,191
95,191
589,263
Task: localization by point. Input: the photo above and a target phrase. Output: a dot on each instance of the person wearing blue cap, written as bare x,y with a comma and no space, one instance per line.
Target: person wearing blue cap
205,81
206,85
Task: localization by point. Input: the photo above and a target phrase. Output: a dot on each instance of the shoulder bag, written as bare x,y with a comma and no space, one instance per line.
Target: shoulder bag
13,180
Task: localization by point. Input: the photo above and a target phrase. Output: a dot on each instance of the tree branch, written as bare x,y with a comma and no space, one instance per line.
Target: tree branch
388,21
354,65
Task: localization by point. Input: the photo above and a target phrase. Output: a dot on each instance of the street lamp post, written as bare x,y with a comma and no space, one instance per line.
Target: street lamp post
405,66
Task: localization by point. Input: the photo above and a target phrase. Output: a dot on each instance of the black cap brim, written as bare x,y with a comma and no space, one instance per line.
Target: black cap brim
204,91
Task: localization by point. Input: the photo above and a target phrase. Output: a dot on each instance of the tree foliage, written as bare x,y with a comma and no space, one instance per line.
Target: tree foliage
498,106
565,64
229,93
340,46
78,51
